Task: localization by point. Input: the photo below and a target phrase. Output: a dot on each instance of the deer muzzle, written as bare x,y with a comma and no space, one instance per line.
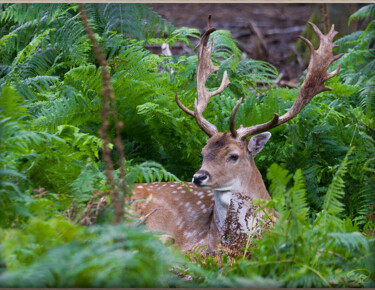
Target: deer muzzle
201,177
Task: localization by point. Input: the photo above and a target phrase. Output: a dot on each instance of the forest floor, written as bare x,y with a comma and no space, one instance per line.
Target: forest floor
278,27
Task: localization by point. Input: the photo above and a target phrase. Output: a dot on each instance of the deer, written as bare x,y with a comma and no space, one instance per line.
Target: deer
195,212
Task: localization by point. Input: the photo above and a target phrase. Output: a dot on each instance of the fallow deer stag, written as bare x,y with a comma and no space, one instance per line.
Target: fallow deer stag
228,166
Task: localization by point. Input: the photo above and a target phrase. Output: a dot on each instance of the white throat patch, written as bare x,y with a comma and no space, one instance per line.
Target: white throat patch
223,197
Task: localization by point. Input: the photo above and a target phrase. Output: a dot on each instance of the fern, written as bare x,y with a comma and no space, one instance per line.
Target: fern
178,35
20,13
93,177
367,11
350,241
149,171
280,178
64,111
133,20
332,205
30,48
297,197
84,142
36,88
358,62
294,249
254,72
6,41
71,42
124,254
49,109
14,177
84,78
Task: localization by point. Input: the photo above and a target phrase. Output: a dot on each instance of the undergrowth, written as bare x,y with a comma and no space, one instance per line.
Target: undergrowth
319,166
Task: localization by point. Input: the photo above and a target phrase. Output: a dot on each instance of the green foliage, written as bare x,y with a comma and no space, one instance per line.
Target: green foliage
93,178
49,153
317,141
22,248
130,20
367,11
358,62
332,205
148,172
58,253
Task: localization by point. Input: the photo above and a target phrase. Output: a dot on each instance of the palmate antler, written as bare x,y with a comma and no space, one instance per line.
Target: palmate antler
204,69
313,84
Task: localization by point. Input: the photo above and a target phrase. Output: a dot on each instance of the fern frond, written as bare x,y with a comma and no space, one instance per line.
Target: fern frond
256,71
30,48
11,103
84,78
297,196
178,35
9,179
280,178
367,98
41,63
367,11
83,141
224,46
73,110
134,20
332,205
149,171
31,88
350,241
348,41
21,13
7,41
364,199
71,40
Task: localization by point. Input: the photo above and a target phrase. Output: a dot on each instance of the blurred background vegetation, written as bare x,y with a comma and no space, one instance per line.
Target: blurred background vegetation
319,167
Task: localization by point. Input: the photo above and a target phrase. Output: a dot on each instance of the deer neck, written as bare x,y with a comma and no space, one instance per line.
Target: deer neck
248,182
222,201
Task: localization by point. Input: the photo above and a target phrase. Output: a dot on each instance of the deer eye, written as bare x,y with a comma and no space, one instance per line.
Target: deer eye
233,157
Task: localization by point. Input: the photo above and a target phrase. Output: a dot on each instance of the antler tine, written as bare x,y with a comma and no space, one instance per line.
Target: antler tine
183,108
313,84
204,69
232,125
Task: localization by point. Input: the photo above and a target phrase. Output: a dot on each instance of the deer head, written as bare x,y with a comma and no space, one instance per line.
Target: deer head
227,155
227,161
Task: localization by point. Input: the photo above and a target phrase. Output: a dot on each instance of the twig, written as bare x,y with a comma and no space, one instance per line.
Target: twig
353,9
325,17
143,219
299,57
89,206
117,201
332,253
279,78
367,126
254,29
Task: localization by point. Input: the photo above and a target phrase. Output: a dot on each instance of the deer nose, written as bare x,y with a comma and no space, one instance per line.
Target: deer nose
200,177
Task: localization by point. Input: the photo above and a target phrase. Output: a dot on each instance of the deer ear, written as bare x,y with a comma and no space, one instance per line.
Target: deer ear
257,143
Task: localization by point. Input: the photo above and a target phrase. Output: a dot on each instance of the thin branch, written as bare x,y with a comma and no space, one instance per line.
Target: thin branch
117,201
143,219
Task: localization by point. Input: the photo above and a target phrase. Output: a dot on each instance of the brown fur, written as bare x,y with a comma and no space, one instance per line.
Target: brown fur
189,216
218,149
169,210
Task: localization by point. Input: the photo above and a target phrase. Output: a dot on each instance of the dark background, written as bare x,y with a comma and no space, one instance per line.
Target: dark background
278,24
